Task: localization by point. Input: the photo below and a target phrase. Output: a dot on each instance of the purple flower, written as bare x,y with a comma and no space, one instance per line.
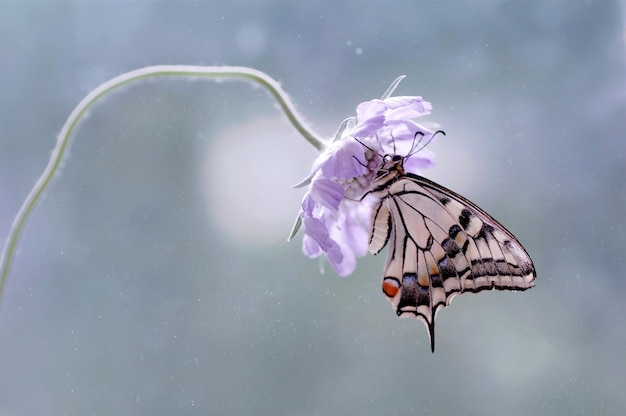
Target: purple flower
336,222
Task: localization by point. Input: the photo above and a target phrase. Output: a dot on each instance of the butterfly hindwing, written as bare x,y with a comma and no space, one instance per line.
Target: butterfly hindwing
441,244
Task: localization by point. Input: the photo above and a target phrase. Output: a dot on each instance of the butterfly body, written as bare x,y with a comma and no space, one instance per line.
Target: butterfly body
441,245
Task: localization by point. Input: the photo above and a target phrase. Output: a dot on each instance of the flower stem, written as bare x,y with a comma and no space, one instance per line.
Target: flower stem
63,141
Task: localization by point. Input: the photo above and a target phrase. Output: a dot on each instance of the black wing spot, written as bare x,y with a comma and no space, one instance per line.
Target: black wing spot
454,231
450,247
435,280
465,217
413,295
446,268
486,231
484,267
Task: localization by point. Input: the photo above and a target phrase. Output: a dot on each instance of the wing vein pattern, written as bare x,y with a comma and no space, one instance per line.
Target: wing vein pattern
441,245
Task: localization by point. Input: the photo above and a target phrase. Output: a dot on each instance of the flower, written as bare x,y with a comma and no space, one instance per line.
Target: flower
335,220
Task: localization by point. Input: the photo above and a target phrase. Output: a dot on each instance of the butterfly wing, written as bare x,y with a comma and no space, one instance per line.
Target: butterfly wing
441,245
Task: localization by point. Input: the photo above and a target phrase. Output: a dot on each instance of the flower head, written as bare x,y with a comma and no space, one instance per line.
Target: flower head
336,221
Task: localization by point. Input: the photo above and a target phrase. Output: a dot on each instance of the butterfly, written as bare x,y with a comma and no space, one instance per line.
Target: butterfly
441,244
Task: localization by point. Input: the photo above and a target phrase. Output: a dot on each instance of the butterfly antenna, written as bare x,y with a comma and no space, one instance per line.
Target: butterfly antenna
368,148
380,145
359,162
365,146
417,147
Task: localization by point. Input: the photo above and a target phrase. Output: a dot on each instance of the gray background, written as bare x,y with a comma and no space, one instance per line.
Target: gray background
154,278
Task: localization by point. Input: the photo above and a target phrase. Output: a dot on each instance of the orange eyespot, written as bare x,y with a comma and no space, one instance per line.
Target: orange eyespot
391,287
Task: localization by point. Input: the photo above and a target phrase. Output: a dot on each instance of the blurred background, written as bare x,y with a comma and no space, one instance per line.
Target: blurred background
155,276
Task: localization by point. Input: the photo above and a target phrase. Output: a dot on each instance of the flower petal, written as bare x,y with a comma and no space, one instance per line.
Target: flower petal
369,126
310,247
348,161
319,240
352,227
370,109
308,206
402,108
326,192
345,266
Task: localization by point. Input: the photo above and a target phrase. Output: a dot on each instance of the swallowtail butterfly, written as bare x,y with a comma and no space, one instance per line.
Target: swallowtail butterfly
441,244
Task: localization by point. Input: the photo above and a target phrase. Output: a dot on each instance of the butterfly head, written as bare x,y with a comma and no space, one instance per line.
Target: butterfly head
392,165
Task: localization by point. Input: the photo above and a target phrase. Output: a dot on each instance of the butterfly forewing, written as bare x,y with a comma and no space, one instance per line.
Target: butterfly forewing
441,244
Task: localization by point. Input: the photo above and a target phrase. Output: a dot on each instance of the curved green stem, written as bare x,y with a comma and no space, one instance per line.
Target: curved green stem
70,125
